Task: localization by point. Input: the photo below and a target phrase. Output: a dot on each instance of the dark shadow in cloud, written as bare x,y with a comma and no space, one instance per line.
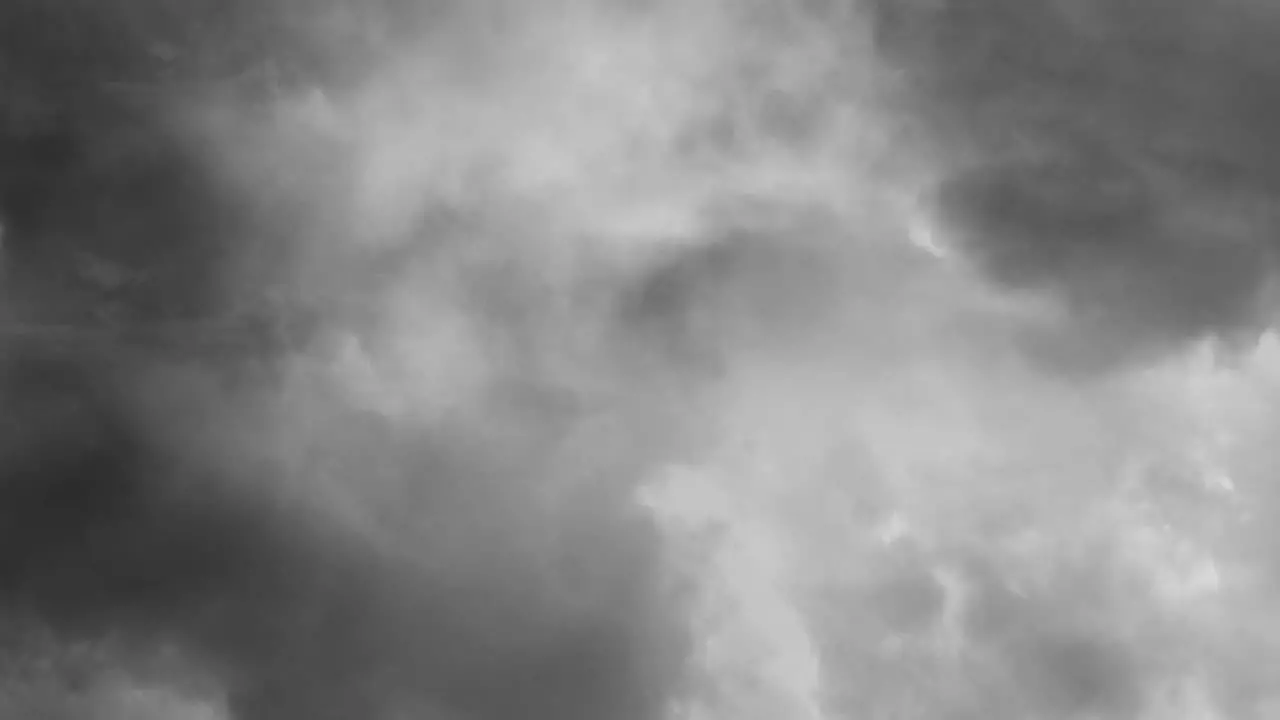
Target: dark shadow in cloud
1119,156
1076,675
110,219
107,531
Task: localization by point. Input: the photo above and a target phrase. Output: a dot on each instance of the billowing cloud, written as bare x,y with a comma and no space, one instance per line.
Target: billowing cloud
822,284
888,335
1115,156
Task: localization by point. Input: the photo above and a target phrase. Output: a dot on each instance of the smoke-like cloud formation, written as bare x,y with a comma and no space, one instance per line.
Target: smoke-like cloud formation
1116,156
730,359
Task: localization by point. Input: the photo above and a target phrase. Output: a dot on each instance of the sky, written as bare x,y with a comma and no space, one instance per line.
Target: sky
933,338
946,322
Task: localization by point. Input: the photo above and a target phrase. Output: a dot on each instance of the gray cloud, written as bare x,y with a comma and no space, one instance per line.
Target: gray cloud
1120,157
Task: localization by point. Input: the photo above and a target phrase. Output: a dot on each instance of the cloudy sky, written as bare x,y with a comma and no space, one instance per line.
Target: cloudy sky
929,342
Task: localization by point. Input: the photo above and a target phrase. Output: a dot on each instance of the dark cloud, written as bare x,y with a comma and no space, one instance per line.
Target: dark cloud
1120,156
110,530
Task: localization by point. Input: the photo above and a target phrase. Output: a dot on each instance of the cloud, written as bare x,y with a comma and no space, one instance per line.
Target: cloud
825,300
1115,157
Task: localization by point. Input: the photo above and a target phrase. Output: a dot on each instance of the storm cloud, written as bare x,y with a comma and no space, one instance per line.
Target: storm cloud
1118,157
611,360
